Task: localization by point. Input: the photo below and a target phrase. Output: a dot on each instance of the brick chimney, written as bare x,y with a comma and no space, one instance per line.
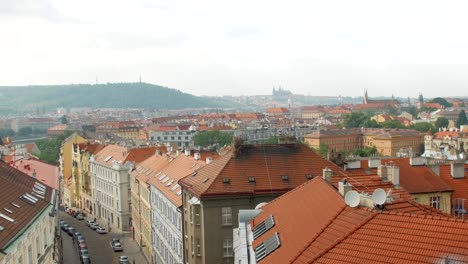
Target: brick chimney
390,173
196,156
344,187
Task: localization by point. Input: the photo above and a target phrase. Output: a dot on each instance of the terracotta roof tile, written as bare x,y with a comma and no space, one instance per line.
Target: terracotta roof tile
14,184
45,173
266,163
175,170
460,185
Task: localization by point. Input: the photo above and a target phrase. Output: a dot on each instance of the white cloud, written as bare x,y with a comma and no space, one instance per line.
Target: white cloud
239,47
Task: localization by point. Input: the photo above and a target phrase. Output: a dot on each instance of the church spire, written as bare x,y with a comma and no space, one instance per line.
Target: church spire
365,97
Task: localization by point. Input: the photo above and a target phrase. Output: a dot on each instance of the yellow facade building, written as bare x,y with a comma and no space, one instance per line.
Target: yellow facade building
66,168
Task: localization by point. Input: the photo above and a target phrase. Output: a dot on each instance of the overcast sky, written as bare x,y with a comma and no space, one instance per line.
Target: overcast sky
240,47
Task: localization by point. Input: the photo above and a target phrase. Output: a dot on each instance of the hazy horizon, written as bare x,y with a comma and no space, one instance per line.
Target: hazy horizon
323,48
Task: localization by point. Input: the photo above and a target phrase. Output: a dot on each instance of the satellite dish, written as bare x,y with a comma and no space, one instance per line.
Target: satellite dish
260,205
352,198
379,196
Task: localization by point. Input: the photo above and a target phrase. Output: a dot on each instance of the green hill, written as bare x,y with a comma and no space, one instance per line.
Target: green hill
15,99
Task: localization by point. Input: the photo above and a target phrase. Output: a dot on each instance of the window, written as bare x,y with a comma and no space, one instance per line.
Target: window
227,248
197,215
193,245
227,215
198,247
38,248
435,202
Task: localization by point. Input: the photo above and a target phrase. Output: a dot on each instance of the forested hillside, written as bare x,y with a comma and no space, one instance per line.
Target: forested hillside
16,99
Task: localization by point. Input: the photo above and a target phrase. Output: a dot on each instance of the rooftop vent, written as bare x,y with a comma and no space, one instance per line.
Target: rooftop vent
15,205
7,218
179,193
251,179
264,226
175,187
270,245
194,173
205,180
2,228
284,177
309,176
226,180
8,210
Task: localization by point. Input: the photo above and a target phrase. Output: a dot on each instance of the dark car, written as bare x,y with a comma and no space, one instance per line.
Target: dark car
85,259
84,252
65,227
71,231
80,240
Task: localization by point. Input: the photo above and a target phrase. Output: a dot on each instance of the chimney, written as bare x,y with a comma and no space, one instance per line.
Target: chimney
196,156
187,152
390,173
169,149
209,160
158,152
177,153
344,187
457,169
353,164
373,163
327,175
435,168
34,175
382,172
416,161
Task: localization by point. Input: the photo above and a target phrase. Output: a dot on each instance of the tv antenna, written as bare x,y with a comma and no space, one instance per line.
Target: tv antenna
352,198
379,196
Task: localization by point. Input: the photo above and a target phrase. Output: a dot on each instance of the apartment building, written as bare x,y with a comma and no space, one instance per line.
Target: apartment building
27,221
66,167
241,179
166,204
387,141
141,200
81,177
173,135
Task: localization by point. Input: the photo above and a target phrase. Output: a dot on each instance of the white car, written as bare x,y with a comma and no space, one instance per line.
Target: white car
101,230
93,226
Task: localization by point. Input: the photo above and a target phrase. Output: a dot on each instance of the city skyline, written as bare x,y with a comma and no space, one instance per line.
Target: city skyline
210,48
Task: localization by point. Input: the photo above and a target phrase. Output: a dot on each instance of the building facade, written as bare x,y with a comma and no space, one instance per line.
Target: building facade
66,167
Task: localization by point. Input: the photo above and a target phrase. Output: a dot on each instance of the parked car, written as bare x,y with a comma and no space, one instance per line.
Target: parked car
93,226
101,230
85,259
116,246
65,227
79,217
80,240
82,246
89,222
84,251
71,231
123,260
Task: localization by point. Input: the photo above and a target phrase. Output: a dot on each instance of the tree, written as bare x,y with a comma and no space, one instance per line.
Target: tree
462,120
50,148
357,119
441,122
271,140
323,150
63,120
211,138
365,152
424,127
25,131
392,124
441,101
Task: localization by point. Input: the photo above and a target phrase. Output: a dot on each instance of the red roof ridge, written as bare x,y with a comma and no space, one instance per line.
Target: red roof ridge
297,188
351,231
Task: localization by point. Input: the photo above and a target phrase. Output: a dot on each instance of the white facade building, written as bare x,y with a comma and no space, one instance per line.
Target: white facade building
110,181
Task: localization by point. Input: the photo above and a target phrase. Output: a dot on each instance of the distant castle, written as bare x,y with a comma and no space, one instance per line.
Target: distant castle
383,103
281,92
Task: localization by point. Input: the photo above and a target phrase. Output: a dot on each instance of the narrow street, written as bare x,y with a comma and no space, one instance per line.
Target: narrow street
99,246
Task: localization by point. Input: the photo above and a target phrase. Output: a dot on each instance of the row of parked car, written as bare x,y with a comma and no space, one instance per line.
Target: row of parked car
95,226
80,241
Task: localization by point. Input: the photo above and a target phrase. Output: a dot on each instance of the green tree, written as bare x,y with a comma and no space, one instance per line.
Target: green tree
424,127
5,132
271,140
358,119
441,101
211,138
63,120
392,124
462,120
365,152
25,131
50,148
323,150
441,122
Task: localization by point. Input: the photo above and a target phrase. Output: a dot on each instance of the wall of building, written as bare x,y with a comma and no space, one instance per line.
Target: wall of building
167,241
211,232
36,244
445,200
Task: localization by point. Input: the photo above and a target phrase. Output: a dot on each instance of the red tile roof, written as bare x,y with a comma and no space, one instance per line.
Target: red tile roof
13,184
414,179
45,173
138,155
443,134
460,185
175,170
267,163
277,110
315,226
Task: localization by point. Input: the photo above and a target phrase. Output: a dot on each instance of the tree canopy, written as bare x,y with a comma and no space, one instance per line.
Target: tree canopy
441,122
462,120
212,138
424,127
50,148
359,119
441,101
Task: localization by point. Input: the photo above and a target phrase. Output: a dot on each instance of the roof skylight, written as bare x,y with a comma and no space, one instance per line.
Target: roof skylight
270,245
